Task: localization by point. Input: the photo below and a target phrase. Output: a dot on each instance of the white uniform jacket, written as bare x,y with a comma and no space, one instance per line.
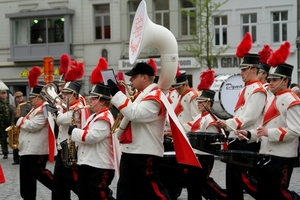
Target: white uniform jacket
204,123
147,118
63,120
33,139
186,109
173,97
95,141
248,112
281,117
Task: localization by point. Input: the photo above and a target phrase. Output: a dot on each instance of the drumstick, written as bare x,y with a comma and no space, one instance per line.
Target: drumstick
215,118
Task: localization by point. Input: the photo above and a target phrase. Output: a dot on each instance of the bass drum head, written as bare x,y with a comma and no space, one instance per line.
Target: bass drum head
227,88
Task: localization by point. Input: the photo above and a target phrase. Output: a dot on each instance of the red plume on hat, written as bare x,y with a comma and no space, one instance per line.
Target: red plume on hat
64,64
178,73
244,46
120,77
96,76
152,63
280,55
265,54
206,79
76,71
33,76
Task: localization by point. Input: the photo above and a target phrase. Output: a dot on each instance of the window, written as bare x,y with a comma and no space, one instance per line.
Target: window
102,21
279,21
188,21
220,24
132,7
249,23
162,16
37,34
38,30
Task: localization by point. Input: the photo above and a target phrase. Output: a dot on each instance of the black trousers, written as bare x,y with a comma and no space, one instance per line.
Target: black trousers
3,142
93,183
33,168
139,177
65,180
240,178
274,179
16,155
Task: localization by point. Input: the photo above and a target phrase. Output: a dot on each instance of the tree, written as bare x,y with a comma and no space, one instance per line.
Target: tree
203,48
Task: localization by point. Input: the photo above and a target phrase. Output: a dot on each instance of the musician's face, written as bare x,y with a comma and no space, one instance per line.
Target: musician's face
276,84
201,105
248,74
138,82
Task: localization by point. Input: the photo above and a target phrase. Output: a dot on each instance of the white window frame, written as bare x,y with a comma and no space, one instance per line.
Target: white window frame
188,20
103,17
281,23
221,27
250,25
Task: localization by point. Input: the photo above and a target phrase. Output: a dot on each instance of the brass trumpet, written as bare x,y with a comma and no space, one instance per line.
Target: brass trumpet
120,115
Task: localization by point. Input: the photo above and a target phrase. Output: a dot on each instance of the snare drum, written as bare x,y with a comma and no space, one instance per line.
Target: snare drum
227,88
206,141
241,158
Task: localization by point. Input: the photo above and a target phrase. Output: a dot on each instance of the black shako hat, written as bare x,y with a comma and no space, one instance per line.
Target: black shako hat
249,60
35,91
72,87
141,68
206,95
181,79
100,90
264,67
282,71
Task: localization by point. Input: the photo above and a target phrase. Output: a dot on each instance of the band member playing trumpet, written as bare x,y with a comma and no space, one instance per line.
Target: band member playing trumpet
35,146
279,132
142,140
96,156
65,178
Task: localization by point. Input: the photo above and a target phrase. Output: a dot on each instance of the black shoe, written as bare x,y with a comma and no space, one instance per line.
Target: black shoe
5,157
15,163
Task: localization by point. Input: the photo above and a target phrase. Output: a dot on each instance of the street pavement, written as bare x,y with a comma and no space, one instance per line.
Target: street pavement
10,190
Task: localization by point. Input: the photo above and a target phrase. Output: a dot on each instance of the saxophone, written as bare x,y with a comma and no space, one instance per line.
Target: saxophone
68,147
14,131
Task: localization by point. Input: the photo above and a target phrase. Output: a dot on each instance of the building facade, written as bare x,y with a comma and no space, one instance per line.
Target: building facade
90,29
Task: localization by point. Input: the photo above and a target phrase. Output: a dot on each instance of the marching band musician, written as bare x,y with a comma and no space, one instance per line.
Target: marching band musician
35,142
24,107
205,123
264,67
253,95
142,139
65,179
96,165
278,133
186,109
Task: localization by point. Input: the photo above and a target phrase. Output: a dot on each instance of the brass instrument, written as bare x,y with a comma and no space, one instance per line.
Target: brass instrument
49,94
13,131
69,149
120,115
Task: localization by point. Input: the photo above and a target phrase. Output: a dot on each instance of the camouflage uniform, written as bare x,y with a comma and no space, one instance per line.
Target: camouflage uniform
7,111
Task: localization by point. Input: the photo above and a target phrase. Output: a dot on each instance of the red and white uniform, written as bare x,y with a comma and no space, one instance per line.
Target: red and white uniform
96,141
147,118
186,109
173,97
248,112
34,129
281,117
205,123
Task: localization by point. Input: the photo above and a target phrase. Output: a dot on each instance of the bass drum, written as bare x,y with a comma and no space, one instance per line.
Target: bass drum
227,88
